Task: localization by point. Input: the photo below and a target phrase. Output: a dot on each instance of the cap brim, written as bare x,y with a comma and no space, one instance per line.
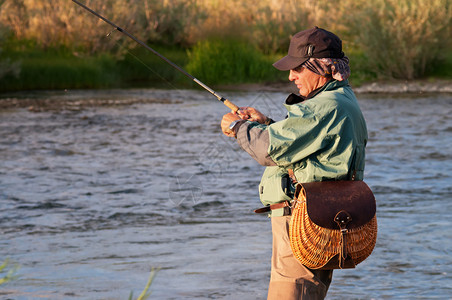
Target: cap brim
289,62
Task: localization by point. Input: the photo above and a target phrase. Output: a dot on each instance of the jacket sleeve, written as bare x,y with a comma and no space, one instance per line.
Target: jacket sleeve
283,143
254,139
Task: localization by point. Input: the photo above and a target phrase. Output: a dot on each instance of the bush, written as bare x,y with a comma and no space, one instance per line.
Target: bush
7,66
395,38
402,38
229,61
59,70
56,23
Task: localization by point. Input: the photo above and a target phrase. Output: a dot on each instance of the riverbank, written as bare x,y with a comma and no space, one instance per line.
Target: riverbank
377,87
64,99
401,87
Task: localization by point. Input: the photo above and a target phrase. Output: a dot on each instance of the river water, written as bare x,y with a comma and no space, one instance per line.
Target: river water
92,198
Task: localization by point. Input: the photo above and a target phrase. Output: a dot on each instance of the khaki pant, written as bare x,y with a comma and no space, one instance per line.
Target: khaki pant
289,278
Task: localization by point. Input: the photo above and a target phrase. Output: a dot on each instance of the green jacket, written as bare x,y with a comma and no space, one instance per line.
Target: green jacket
322,138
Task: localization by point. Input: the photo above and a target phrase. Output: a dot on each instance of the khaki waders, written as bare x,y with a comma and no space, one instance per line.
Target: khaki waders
291,280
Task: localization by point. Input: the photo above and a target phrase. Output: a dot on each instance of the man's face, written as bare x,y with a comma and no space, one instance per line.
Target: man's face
306,80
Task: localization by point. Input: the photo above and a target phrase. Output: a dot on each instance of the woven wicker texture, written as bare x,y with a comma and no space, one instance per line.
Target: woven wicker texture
314,246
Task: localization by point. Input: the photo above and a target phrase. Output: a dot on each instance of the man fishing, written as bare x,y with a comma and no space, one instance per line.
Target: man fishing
322,138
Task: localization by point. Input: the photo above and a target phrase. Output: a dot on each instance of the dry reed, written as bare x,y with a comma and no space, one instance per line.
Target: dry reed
400,37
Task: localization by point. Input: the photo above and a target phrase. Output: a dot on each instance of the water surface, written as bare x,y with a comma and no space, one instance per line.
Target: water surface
93,197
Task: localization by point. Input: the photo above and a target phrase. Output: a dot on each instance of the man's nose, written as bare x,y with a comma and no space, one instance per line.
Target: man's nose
292,76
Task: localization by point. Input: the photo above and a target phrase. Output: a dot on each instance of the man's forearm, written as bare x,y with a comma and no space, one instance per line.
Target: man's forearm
255,141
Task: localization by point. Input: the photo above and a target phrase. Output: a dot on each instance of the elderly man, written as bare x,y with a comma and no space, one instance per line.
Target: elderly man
322,138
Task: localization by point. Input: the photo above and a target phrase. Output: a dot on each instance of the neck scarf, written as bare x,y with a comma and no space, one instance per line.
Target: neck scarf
337,68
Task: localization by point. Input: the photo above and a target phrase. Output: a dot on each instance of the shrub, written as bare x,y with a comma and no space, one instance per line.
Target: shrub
7,66
228,61
402,38
58,70
56,23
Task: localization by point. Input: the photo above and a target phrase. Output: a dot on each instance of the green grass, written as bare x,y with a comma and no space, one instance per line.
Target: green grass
361,71
145,294
54,69
142,68
230,61
214,62
59,69
220,63
10,271
442,69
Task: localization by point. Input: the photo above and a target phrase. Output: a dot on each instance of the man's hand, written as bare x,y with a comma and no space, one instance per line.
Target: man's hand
251,114
226,121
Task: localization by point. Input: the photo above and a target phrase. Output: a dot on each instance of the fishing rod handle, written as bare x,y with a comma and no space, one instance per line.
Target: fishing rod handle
231,105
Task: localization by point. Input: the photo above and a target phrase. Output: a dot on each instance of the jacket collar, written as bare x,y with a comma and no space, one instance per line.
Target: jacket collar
330,85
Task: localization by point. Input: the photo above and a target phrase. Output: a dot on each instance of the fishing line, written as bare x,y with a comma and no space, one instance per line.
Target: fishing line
225,101
142,62
153,71
108,35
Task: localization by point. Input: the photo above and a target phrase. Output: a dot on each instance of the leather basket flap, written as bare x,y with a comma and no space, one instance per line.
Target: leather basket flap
325,199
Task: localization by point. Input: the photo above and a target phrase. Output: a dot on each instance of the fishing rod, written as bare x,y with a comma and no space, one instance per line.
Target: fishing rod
225,101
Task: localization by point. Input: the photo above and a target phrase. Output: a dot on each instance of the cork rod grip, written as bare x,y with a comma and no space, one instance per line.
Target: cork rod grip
231,105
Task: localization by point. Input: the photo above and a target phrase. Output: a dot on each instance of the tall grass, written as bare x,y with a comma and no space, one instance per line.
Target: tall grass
145,294
398,38
232,61
62,23
53,69
140,68
404,38
52,23
61,69
7,66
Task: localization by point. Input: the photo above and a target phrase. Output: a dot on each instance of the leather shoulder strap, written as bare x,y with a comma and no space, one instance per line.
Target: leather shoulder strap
292,176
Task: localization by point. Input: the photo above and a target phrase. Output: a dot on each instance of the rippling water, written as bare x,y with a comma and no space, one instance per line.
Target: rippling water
91,199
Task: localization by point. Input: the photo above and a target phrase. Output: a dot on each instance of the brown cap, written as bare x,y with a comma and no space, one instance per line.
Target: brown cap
315,42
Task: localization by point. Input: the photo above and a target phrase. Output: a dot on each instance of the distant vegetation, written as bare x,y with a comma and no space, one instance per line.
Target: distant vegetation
56,44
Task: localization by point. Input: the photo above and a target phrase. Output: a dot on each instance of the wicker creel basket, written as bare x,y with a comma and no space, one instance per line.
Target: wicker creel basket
333,224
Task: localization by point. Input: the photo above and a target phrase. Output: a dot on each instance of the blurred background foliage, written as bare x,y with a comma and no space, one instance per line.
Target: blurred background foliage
219,41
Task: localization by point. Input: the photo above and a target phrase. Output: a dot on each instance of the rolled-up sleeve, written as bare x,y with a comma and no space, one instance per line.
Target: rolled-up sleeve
302,134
